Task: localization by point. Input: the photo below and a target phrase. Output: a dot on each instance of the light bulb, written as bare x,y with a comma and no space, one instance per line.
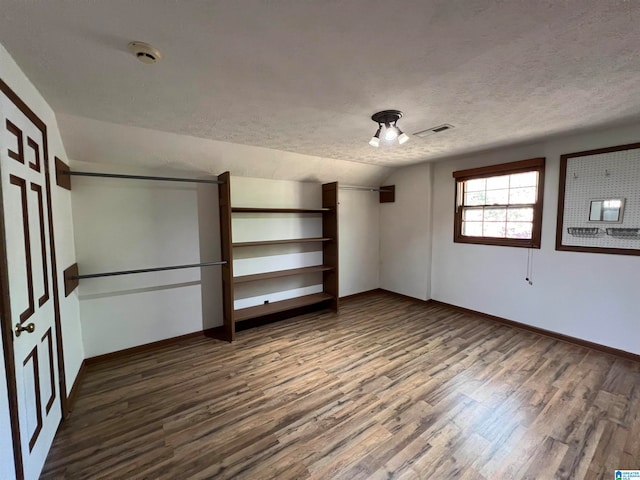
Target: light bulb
375,140
390,133
402,138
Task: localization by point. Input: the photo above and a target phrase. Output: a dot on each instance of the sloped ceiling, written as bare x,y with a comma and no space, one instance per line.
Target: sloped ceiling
305,76
108,143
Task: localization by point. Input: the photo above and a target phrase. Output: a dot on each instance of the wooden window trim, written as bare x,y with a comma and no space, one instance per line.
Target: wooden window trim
529,165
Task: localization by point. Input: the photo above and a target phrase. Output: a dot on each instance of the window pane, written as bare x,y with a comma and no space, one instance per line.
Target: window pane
473,214
522,195
497,197
519,229
472,229
495,183
502,207
521,214
493,229
495,214
474,198
528,179
475,185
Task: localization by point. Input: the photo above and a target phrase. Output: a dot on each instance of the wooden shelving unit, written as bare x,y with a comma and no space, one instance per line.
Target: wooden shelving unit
281,306
280,242
277,210
329,267
280,273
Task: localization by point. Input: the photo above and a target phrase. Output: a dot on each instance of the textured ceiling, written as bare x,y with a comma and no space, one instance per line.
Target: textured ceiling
304,76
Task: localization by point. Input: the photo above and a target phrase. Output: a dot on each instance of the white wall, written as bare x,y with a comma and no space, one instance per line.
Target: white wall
359,240
130,224
65,251
405,233
584,295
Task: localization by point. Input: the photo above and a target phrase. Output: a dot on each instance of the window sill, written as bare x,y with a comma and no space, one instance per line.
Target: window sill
499,242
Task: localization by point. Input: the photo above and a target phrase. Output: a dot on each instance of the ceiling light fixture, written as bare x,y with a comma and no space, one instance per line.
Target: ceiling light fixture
388,119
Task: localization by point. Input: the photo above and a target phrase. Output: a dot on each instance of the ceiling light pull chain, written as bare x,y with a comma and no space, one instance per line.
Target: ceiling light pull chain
529,277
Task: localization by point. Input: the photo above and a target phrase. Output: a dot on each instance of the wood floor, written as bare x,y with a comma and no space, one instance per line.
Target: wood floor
387,389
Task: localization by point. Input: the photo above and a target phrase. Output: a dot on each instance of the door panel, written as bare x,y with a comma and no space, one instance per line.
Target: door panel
30,274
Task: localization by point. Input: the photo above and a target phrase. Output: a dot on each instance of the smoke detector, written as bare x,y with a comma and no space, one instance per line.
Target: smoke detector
144,52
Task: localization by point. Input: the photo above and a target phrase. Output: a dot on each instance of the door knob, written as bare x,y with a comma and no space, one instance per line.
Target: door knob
29,328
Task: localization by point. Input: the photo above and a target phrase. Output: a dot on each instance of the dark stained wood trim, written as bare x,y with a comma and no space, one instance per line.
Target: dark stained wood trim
614,251
388,195
43,244
31,115
33,356
561,193
22,184
561,196
226,250
261,243
63,177
19,155
330,248
502,168
144,348
36,152
75,388
548,333
599,151
280,273
70,283
276,210
536,233
537,164
6,329
52,374
54,268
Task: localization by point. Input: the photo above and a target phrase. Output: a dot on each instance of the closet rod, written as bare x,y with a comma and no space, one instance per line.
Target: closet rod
142,177
145,270
356,187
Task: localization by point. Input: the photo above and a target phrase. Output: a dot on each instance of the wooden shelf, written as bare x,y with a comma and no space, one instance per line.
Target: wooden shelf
281,306
327,244
277,210
280,242
281,273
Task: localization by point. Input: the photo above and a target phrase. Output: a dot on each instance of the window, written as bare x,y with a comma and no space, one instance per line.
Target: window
500,204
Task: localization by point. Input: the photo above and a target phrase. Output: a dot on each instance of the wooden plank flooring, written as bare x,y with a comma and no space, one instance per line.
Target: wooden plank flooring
387,389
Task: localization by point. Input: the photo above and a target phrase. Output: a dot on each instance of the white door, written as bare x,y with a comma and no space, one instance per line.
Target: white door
30,273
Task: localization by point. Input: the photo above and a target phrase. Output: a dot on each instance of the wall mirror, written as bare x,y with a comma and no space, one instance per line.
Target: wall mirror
608,210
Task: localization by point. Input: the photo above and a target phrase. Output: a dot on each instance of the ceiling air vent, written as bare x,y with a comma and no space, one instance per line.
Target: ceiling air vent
433,130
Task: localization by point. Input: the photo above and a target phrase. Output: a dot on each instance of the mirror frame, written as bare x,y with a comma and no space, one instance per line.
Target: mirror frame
620,210
561,227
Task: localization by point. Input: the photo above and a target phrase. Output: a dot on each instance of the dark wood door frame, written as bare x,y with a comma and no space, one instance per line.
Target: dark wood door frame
6,324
